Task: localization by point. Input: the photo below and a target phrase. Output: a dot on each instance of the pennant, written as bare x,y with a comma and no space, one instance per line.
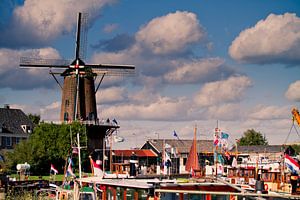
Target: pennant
53,169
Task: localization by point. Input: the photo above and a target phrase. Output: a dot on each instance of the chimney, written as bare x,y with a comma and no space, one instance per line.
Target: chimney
6,106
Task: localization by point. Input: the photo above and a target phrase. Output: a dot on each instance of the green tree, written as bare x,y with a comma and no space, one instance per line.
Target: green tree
49,143
251,137
34,118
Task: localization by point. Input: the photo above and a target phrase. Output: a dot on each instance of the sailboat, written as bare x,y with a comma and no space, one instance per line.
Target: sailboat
192,163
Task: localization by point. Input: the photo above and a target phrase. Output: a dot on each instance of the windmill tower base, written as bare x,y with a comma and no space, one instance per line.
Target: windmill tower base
96,147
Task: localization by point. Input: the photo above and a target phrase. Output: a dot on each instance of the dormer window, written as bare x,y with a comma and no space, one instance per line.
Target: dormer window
26,128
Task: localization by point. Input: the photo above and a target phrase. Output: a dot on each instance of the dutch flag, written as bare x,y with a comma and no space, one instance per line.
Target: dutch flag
291,163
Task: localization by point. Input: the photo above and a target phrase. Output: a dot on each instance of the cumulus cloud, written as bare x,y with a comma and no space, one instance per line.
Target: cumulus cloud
171,33
13,77
48,112
39,22
195,71
111,95
108,28
226,91
293,92
164,108
262,112
273,40
225,112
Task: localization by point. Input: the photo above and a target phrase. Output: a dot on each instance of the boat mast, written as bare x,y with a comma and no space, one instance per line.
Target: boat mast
79,157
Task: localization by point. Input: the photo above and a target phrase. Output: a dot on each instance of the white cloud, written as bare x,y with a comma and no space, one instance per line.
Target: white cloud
41,21
170,33
273,40
110,28
225,112
48,113
163,109
230,90
293,92
262,112
195,71
13,77
111,95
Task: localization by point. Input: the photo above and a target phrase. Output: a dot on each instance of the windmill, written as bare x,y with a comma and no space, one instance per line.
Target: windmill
78,90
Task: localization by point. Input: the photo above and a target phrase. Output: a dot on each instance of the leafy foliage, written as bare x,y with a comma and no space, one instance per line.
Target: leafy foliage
34,118
251,137
49,143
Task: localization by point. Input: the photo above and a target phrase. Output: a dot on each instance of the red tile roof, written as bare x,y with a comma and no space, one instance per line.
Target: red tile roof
138,152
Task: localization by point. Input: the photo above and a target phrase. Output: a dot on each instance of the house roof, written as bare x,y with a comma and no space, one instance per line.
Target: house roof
11,121
138,153
260,149
182,146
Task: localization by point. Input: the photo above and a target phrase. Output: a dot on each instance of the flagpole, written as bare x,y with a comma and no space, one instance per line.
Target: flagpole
164,156
79,157
110,152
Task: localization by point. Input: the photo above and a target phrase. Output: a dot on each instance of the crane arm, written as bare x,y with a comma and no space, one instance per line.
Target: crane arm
296,115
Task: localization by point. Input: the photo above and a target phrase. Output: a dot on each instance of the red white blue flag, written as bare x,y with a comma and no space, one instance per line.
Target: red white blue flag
291,163
53,169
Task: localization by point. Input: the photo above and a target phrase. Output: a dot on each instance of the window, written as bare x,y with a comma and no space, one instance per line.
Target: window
66,116
17,140
26,128
6,141
67,103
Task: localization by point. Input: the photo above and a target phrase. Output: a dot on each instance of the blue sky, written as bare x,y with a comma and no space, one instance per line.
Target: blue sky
197,62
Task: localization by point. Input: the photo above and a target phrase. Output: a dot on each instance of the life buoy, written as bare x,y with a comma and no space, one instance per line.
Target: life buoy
266,187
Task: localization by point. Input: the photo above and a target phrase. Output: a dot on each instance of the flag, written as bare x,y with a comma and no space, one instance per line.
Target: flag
175,134
117,138
224,135
96,168
224,141
227,154
69,169
53,169
167,163
216,140
291,163
234,163
167,146
75,150
115,121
